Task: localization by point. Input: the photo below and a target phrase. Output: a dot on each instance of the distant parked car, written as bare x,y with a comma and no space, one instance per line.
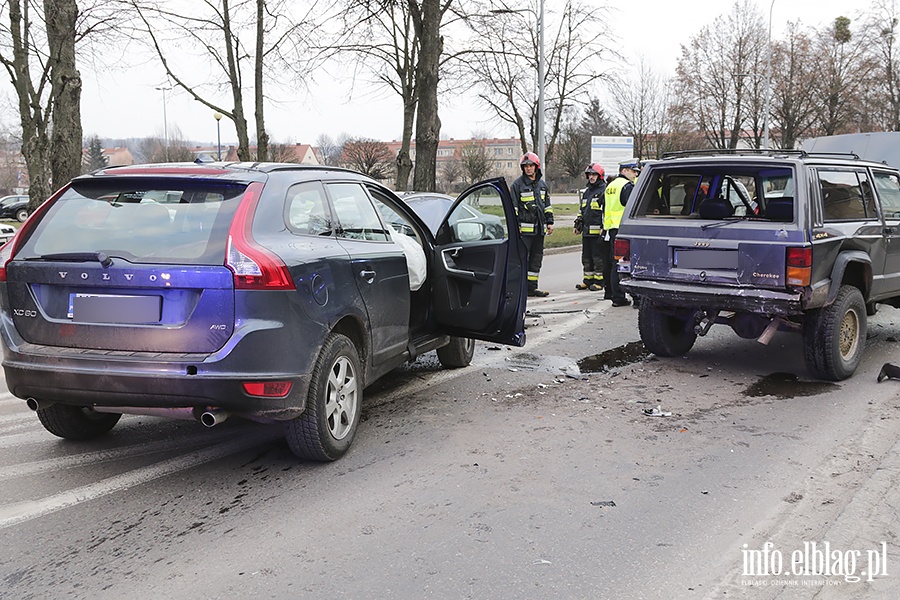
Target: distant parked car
6,233
432,207
14,207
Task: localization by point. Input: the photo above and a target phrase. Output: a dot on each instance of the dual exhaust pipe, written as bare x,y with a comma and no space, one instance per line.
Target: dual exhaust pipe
208,417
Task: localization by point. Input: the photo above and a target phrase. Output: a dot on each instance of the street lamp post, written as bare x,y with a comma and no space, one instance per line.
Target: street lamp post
165,89
218,117
768,80
539,15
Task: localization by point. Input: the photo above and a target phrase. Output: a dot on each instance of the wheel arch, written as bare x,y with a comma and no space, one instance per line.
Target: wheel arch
851,268
355,330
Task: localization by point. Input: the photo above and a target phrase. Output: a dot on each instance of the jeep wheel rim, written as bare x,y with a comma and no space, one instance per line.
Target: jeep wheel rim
849,334
342,398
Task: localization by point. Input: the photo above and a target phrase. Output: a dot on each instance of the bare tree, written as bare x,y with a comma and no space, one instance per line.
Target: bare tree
38,50
476,164
882,26
368,156
160,150
383,38
506,67
274,37
793,107
840,73
451,172
330,151
641,106
717,74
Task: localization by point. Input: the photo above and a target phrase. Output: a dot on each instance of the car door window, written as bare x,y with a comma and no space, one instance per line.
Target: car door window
842,196
355,213
307,210
887,186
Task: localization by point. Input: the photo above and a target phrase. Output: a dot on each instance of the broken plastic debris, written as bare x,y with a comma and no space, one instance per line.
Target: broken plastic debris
656,412
541,561
888,371
603,503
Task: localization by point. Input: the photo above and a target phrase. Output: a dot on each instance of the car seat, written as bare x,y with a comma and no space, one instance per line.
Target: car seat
715,208
780,209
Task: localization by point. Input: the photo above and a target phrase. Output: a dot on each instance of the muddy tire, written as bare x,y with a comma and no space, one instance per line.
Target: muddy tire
834,337
76,422
327,427
662,334
457,354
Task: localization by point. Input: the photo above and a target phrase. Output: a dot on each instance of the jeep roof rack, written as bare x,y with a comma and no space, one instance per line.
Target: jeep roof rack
755,152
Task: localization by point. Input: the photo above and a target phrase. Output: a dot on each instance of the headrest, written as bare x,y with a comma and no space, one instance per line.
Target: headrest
780,209
715,208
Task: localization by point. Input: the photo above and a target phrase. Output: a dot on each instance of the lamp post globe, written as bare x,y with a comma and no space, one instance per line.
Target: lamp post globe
218,117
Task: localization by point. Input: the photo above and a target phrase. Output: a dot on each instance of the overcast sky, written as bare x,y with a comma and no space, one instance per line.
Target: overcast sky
125,104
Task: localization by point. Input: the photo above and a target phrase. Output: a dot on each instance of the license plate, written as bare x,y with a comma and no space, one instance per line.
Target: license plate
689,258
109,308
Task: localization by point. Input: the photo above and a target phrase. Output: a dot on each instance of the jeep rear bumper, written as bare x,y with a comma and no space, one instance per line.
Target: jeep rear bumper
710,297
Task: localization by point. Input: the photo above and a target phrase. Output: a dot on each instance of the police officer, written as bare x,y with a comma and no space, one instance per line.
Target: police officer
589,223
615,199
532,201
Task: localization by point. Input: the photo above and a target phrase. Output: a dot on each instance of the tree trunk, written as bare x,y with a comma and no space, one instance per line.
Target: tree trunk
65,97
262,138
404,162
428,122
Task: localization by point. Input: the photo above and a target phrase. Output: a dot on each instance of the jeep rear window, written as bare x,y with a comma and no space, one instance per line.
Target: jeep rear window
718,192
149,221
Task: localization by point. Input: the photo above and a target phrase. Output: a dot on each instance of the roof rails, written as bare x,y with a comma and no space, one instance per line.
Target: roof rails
756,152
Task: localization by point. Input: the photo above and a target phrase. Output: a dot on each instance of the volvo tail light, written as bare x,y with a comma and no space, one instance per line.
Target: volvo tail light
254,267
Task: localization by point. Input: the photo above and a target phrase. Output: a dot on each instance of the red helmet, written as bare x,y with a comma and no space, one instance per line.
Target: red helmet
532,158
595,168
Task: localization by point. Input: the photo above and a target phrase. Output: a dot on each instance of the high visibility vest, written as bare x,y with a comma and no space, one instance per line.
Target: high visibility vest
613,209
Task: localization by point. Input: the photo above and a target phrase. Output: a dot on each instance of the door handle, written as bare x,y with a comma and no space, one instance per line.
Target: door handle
448,255
368,275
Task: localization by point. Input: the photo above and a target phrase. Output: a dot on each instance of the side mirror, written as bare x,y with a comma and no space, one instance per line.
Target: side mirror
467,231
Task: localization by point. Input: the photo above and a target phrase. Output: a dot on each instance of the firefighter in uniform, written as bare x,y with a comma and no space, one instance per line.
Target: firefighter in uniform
535,215
615,199
589,223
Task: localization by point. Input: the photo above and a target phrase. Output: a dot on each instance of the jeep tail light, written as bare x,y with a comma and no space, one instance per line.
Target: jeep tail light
9,248
798,266
622,249
254,267
268,389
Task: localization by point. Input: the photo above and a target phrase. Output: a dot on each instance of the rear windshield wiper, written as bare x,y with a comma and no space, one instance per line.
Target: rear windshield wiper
722,223
100,257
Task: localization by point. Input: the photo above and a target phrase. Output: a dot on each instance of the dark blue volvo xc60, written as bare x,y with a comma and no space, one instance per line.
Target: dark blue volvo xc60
273,292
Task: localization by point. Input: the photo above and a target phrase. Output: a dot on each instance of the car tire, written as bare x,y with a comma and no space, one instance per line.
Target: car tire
327,427
834,336
663,334
76,422
457,354
21,215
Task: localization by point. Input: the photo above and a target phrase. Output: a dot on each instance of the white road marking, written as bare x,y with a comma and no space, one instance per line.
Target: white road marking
117,453
20,512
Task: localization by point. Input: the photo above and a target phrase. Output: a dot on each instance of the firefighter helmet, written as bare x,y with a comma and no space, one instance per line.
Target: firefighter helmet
530,158
595,168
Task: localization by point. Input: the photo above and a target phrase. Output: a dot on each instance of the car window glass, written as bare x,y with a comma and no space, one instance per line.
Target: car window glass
887,186
185,222
307,210
842,196
394,219
467,222
732,192
355,213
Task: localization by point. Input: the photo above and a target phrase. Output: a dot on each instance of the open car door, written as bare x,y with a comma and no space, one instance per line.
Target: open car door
479,284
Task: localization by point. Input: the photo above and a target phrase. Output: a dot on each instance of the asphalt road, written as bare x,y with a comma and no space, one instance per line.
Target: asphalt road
534,473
